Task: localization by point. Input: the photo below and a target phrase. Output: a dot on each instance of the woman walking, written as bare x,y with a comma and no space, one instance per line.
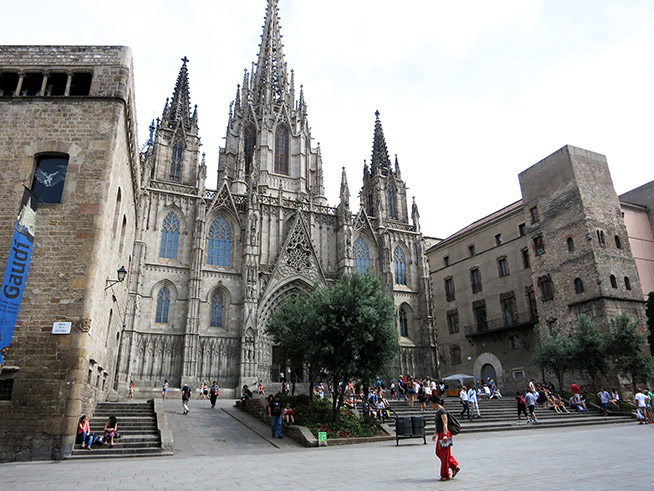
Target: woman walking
443,439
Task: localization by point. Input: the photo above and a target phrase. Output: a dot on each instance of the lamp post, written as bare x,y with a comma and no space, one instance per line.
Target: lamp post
122,272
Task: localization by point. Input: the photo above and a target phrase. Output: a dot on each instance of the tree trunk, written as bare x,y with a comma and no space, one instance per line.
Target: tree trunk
335,405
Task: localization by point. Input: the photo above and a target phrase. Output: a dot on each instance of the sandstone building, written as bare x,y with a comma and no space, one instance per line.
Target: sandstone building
561,251
205,266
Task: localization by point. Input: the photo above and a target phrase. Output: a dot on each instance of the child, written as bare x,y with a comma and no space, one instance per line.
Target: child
287,415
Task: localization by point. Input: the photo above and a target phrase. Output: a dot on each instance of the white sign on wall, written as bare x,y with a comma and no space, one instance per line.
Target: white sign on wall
61,327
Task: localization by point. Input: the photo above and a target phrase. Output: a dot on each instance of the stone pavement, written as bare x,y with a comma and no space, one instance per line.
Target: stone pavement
216,451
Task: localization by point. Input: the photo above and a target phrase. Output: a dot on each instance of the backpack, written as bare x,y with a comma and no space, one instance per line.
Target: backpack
522,401
453,424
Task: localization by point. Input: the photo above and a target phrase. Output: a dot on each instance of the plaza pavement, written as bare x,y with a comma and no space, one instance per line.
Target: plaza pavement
225,449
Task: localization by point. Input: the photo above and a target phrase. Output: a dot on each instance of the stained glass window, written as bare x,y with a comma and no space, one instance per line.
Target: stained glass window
216,310
281,149
400,266
176,162
163,305
169,236
361,256
404,323
220,243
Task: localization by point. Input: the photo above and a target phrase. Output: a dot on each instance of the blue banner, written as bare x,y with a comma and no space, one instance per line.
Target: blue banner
13,284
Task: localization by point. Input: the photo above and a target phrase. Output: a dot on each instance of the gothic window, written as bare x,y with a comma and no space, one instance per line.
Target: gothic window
456,354
361,256
449,289
453,321
281,149
163,306
571,244
579,285
122,236
399,260
169,236
475,280
49,177
614,281
392,202
618,243
627,283
176,162
404,323
250,137
220,243
216,310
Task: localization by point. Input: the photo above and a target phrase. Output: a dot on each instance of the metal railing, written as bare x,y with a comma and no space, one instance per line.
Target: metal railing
494,325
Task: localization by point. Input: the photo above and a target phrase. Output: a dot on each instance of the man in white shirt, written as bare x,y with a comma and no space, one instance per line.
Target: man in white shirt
641,404
472,401
463,395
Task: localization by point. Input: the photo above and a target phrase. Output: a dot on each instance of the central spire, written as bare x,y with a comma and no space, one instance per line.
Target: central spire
179,106
380,160
270,79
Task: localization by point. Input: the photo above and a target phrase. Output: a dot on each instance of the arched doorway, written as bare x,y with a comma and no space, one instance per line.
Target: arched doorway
487,371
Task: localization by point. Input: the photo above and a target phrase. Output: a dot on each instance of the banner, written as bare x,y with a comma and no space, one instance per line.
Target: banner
13,284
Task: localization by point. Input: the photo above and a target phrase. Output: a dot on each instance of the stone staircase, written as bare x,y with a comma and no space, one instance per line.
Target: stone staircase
137,424
501,415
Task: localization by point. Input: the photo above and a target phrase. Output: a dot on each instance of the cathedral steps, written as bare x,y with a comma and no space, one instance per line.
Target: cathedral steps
137,425
501,415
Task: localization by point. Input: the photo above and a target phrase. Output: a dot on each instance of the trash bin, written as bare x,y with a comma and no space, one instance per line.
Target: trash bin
403,426
418,425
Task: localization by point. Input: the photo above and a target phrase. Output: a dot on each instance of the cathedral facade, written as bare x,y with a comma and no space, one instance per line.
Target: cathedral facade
210,265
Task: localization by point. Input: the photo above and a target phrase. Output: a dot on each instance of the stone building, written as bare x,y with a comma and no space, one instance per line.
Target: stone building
210,265
68,134
561,251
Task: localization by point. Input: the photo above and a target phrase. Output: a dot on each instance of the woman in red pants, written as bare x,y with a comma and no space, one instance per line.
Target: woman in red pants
443,439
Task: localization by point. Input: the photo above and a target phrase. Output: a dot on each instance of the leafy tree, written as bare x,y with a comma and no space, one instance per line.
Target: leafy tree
650,321
291,327
354,332
554,353
589,347
625,349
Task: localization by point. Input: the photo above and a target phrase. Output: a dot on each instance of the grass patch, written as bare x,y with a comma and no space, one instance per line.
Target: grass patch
316,414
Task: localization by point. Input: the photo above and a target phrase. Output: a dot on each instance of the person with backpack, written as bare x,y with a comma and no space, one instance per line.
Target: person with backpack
446,426
186,396
521,404
275,411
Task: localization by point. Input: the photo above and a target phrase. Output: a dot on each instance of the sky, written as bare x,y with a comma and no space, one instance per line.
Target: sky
469,93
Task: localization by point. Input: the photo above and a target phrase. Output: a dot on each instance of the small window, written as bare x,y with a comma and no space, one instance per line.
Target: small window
579,285
618,244
498,239
49,177
453,321
627,283
449,289
518,374
475,280
539,247
6,388
503,267
446,261
8,83
600,237
404,323
521,229
525,259
56,84
471,249
614,282
32,83
534,214
456,355
571,244
546,288
80,83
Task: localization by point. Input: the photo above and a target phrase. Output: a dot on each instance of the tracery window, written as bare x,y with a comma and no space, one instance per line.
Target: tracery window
163,306
361,256
404,323
220,243
176,162
392,202
250,136
216,310
281,149
169,236
400,266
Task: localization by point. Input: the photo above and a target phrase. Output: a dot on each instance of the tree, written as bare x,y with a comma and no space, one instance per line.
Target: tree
291,327
554,353
625,349
650,321
354,333
589,347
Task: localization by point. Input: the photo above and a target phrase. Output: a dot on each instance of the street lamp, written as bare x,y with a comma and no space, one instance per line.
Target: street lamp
122,272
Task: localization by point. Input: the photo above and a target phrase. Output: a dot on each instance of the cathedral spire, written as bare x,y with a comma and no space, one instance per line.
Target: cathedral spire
345,190
270,79
178,108
380,161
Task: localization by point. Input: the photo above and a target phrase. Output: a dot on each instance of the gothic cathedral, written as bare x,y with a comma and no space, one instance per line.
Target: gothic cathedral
209,266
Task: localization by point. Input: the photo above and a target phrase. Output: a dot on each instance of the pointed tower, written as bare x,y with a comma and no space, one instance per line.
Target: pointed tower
174,143
383,192
268,134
